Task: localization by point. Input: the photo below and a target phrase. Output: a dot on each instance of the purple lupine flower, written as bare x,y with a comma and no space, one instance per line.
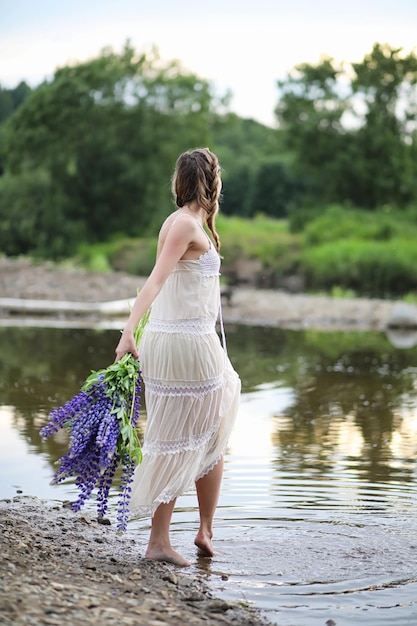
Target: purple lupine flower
59,417
102,423
104,486
128,469
85,424
136,400
87,479
108,444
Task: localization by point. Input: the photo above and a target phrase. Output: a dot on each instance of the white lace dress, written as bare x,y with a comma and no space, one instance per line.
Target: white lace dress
191,389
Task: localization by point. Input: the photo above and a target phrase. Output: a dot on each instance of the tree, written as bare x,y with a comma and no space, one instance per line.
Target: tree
237,190
106,134
11,99
6,104
274,190
33,217
352,129
310,112
385,83
244,147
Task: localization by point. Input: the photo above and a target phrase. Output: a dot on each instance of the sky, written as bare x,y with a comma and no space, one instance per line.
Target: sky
239,45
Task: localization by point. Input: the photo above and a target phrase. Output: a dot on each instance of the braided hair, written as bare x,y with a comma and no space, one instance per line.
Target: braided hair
197,177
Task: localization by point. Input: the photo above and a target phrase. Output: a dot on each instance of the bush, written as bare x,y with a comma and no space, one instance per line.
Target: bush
370,268
33,218
133,256
336,222
262,238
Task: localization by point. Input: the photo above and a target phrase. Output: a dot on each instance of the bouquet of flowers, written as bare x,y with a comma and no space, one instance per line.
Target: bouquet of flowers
102,421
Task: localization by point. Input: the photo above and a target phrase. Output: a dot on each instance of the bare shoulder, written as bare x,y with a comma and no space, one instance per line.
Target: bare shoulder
177,229
178,224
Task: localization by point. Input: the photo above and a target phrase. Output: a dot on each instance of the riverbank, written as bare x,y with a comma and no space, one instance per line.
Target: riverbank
46,289
60,567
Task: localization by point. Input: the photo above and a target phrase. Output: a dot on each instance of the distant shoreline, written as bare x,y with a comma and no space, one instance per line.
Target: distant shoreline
25,285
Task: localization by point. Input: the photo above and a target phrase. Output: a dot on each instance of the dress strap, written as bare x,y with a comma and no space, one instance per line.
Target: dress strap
223,334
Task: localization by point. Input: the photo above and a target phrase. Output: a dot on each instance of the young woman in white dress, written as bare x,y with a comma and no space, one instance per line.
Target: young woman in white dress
191,389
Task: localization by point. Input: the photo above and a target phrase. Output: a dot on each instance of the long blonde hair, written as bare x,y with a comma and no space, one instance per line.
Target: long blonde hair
197,177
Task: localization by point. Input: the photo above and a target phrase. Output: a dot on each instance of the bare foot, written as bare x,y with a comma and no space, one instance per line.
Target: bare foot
204,544
168,555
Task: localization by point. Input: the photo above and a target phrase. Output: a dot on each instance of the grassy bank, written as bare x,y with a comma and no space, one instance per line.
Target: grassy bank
336,250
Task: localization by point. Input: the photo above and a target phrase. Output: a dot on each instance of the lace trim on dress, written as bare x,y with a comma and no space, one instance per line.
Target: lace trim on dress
188,326
183,444
165,497
210,262
210,467
196,389
168,495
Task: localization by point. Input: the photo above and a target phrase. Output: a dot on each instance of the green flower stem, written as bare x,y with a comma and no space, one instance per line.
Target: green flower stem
119,379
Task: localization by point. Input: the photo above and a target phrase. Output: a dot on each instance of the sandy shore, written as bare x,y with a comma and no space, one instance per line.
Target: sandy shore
34,283
58,567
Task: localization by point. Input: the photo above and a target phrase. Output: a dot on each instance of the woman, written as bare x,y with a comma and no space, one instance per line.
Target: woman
191,390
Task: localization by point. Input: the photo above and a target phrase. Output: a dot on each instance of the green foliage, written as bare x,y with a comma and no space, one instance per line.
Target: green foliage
134,256
261,238
337,222
310,111
300,217
274,189
259,226
86,159
33,217
354,251
6,104
373,268
410,298
245,141
256,172
340,253
107,133
352,129
236,191
339,292
94,257
11,99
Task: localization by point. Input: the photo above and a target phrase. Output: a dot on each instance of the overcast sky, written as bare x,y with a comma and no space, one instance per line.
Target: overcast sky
237,44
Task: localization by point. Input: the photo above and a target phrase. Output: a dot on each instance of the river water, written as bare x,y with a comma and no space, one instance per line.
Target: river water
317,515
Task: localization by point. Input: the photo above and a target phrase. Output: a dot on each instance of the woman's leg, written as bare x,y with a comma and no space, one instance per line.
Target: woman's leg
208,491
159,547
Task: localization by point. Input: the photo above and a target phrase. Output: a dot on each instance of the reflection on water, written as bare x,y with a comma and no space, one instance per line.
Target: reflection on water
316,519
